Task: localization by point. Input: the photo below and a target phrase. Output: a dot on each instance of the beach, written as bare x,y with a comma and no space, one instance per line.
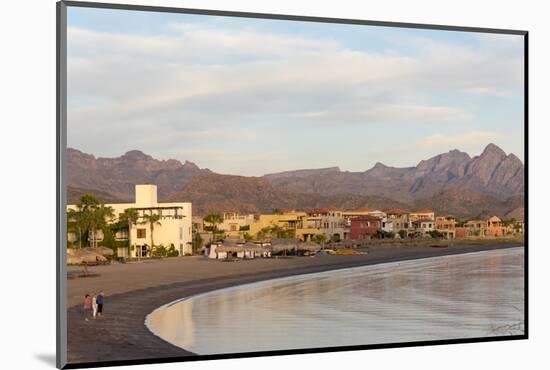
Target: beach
134,290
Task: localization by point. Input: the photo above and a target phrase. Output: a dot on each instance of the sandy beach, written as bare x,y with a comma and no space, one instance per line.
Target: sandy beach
134,290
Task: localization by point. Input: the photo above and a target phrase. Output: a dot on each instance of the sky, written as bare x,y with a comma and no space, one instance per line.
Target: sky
255,96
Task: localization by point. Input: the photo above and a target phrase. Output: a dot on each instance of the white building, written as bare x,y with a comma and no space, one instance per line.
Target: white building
174,226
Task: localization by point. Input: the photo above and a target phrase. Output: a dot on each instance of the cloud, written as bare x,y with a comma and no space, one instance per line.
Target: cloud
156,93
464,140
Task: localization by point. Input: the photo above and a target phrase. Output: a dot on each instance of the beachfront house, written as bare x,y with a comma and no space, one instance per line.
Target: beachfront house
514,227
476,228
364,227
349,215
308,227
285,221
495,227
446,225
399,219
422,214
173,227
424,225
234,225
332,222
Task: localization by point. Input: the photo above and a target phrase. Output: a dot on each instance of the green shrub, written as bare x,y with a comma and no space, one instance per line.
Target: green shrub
172,251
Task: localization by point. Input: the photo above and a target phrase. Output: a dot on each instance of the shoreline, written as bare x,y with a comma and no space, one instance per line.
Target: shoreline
123,335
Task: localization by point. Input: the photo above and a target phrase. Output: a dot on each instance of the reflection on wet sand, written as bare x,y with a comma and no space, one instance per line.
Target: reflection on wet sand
462,296
176,322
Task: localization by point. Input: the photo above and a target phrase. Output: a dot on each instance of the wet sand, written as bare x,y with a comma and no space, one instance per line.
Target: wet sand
134,290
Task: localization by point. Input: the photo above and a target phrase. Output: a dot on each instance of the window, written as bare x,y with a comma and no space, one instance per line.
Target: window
141,233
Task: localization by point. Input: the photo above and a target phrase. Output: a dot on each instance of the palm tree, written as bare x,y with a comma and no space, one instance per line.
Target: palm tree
90,215
98,220
130,217
76,222
214,219
152,219
82,218
197,242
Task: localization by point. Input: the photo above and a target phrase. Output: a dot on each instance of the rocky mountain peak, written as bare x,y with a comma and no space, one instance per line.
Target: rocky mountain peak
492,150
190,165
136,155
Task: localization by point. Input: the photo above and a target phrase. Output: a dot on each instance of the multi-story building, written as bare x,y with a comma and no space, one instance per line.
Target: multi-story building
446,225
286,221
174,226
332,222
424,225
364,227
234,224
475,228
495,227
422,214
399,219
309,226
491,227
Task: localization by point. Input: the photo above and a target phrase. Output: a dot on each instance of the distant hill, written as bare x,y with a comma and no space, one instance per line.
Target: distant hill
493,172
74,194
450,183
465,203
117,176
214,192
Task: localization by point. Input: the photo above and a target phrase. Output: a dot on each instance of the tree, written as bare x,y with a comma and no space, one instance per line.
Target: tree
276,211
129,217
197,242
214,219
88,217
436,234
320,238
402,234
98,220
152,219
76,223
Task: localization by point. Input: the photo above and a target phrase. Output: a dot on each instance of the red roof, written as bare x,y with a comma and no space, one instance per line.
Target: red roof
362,209
424,210
423,220
366,218
396,211
322,210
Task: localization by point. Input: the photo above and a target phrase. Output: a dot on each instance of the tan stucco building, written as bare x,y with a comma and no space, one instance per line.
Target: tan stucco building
175,224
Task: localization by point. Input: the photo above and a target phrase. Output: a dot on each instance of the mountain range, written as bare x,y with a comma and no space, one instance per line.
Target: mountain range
450,183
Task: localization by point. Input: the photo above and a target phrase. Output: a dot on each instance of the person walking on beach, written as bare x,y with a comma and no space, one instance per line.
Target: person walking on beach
87,306
94,305
99,301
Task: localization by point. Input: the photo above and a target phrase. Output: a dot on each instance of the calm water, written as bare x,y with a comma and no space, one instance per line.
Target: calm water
470,295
